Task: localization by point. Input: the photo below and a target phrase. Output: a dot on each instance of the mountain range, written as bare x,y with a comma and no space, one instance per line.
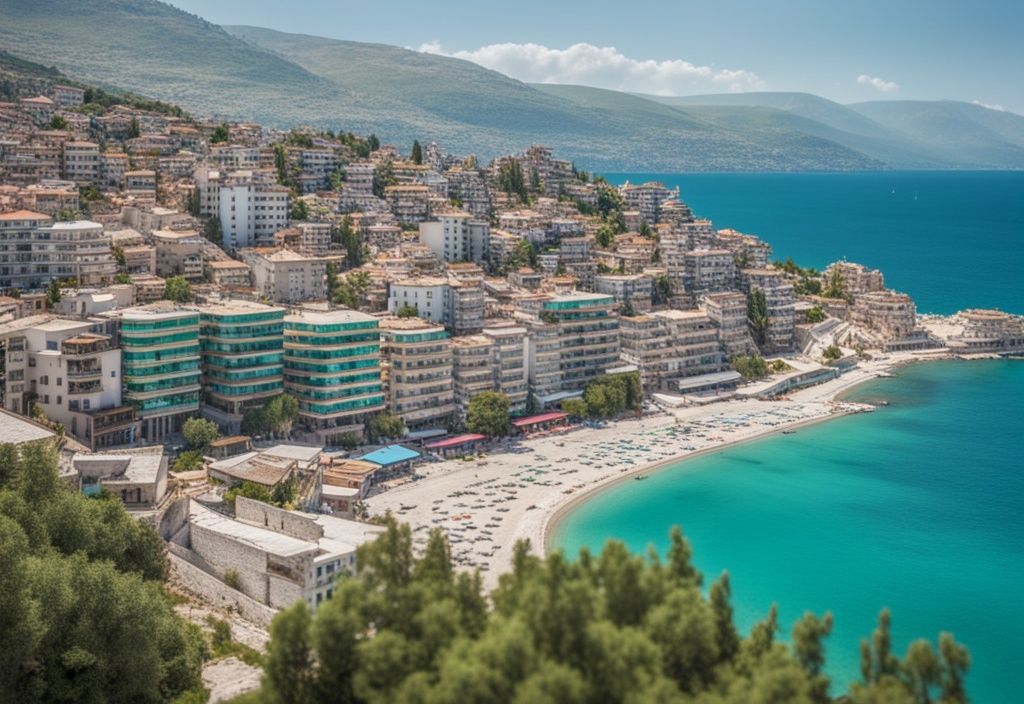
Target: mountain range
285,80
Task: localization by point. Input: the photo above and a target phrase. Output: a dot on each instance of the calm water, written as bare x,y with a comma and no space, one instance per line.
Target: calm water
951,240
916,506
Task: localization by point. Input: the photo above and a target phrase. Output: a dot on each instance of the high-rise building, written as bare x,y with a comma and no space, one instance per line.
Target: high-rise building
160,359
242,347
418,372
332,366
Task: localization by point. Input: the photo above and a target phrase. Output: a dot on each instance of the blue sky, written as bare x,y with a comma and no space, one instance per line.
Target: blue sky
847,51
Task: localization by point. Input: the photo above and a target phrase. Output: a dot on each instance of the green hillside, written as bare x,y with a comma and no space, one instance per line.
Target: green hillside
154,49
971,135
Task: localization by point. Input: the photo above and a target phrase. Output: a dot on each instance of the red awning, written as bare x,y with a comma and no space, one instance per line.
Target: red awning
540,418
454,441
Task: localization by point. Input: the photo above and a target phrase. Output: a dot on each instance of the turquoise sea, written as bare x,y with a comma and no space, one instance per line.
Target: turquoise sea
918,506
951,240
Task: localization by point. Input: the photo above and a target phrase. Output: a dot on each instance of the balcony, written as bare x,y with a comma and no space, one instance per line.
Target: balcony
90,387
85,372
86,344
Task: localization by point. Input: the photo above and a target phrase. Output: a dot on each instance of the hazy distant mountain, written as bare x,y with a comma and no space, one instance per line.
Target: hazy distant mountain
904,133
287,79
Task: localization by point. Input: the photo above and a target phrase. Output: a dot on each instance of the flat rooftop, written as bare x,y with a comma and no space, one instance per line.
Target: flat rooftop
15,429
253,536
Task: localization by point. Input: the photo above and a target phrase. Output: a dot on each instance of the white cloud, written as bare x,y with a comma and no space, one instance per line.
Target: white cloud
878,83
997,108
602,67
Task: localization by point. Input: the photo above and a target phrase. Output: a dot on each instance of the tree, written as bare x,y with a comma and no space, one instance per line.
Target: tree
488,414
347,236
53,294
662,289
835,287
614,628
384,426
417,152
408,311
575,407
118,255
751,367
511,180
133,129
832,353
122,278
178,289
221,133
212,231
300,209
199,433
815,315
757,316
83,613
189,461
57,122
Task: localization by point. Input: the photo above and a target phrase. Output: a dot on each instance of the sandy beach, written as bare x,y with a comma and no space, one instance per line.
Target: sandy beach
518,491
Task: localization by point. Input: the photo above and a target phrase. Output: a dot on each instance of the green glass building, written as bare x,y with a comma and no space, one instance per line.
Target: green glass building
332,368
160,366
242,346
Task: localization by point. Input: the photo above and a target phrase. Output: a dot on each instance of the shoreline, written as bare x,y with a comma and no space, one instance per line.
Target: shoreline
562,511
488,504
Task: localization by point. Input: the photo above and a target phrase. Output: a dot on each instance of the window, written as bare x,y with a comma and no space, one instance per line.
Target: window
58,400
59,380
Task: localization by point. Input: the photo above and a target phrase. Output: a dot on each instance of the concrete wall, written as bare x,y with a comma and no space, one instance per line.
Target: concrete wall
225,554
282,592
194,580
276,519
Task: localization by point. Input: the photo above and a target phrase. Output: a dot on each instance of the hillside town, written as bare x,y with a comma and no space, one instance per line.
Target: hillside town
348,315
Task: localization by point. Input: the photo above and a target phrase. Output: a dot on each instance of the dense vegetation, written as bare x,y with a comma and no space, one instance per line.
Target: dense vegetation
604,629
488,414
83,614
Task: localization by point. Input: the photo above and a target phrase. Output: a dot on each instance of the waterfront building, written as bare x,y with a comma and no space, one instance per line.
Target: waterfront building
588,336
418,374
856,278
472,368
242,346
647,199
670,345
891,314
332,366
160,357
989,331
749,251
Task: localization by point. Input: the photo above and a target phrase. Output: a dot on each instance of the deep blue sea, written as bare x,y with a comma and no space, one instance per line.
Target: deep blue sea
918,506
951,240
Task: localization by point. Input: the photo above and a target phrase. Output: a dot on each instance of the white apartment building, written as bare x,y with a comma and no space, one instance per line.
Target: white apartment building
728,311
34,250
251,211
708,270
417,372
82,162
778,293
632,292
457,237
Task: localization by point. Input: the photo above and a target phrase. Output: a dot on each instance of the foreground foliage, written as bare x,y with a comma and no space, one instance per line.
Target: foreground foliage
83,614
607,629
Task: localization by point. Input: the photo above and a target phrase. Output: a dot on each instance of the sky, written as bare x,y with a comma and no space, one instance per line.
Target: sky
846,51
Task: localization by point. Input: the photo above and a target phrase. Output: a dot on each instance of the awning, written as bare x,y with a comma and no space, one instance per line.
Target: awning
455,441
540,418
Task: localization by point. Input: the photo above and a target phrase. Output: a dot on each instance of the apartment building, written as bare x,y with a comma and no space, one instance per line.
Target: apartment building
456,303
457,237
81,163
314,238
856,278
780,300
160,357
632,292
750,251
990,331
230,273
417,363
509,369
332,366
670,345
708,270
113,167
285,276
409,203
588,336
179,253
891,314
242,348
728,311
472,369
18,238
647,199
250,210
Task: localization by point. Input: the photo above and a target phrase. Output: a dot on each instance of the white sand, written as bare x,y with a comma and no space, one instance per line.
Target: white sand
486,505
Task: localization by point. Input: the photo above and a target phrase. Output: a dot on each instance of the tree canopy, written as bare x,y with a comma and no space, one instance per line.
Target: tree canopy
384,426
178,289
488,414
199,433
83,614
605,628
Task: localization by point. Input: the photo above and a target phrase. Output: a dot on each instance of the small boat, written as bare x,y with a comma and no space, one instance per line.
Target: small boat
640,477
789,432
